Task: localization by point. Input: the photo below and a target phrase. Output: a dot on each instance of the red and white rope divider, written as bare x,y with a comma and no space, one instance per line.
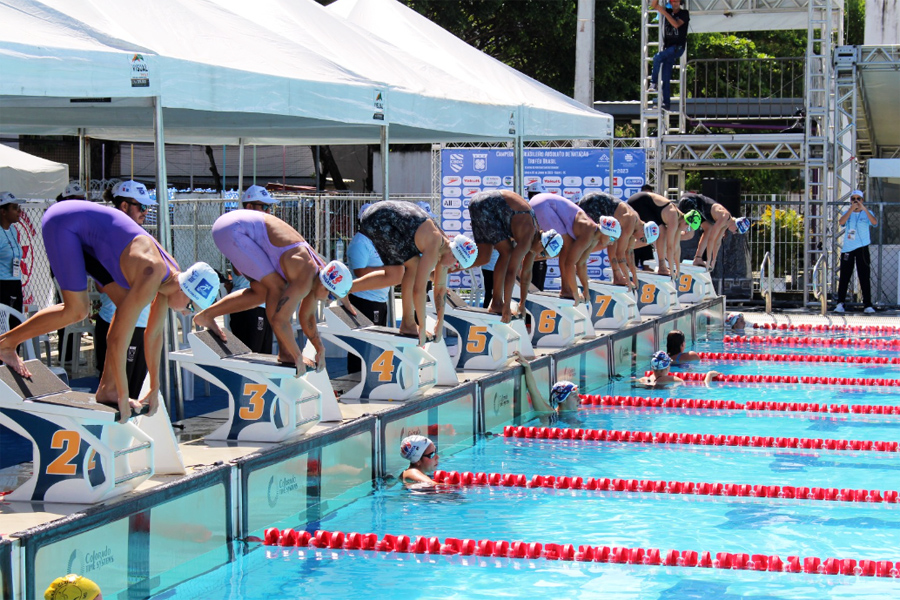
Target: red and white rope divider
810,327
875,360
641,402
741,340
734,378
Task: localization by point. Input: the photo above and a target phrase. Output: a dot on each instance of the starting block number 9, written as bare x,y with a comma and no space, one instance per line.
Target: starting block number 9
602,303
477,339
547,322
256,402
684,282
648,291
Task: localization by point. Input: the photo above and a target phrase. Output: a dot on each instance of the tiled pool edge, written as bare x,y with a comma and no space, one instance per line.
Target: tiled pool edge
131,543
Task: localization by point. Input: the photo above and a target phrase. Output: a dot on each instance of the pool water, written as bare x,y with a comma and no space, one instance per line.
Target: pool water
702,523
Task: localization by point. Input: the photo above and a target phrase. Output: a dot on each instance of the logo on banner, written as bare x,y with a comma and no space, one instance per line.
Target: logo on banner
492,180
90,560
593,180
452,180
471,180
512,123
140,73
379,107
452,192
508,180
457,163
634,181
285,485
604,158
554,181
479,163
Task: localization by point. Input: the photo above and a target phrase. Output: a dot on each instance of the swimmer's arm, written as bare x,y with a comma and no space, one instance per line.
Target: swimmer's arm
710,377
582,272
417,476
440,299
426,264
153,343
306,315
524,282
540,403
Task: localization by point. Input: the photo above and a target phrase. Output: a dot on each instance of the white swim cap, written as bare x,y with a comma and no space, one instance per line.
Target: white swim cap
200,283
413,447
336,278
465,250
742,224
363,209
427,208
660,361
560,392
73,190
135,191
257,193
651,232
552,243
536,187
610,226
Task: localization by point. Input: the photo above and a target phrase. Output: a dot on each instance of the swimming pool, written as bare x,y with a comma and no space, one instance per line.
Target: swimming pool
782,526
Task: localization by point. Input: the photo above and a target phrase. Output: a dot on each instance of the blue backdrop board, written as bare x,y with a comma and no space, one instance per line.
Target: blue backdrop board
564,171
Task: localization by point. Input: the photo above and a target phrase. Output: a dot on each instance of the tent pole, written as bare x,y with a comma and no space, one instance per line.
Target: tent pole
81,157
171,393
385,163
240,165
519,154
254,165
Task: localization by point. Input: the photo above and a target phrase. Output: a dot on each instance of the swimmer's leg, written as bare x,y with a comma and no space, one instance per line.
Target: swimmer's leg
408,307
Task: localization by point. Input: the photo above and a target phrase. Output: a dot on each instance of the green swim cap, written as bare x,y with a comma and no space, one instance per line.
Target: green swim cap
693,219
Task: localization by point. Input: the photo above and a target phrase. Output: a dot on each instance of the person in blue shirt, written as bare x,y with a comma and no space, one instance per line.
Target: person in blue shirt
856,222
10,254
251,326
362,258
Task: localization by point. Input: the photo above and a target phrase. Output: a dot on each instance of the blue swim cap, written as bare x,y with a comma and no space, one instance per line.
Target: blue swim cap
660,361
560,392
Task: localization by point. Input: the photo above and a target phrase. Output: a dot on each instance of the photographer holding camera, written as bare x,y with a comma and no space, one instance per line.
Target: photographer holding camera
855,250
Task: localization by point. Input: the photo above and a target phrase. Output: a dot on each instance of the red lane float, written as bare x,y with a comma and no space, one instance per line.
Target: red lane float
696,439
864,360
700,488
566,552
756,340
641,402
876,329
860,381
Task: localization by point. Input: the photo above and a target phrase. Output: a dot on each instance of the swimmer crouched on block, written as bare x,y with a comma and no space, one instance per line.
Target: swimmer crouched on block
660,363
422,456
86,239
284,272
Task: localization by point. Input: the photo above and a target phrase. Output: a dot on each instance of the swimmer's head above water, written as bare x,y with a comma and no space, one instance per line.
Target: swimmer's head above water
660,361
735,321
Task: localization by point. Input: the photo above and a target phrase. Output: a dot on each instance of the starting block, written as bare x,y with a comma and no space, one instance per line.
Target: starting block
694,283
394,367
613,306
555,322
267,402
485,344
82,455
656,294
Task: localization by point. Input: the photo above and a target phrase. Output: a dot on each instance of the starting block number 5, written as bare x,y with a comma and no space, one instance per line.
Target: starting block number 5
648,292
684,282
477,341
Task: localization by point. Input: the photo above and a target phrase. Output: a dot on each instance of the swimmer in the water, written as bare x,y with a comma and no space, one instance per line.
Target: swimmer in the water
675,344
660,363
563,394
423,458
735,322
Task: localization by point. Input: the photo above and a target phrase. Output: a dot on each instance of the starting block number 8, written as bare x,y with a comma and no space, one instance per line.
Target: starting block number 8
648,292
684,282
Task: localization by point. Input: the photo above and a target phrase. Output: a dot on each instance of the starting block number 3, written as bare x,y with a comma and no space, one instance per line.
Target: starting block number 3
256,402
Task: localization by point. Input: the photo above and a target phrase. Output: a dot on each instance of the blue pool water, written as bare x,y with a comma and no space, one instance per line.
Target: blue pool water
702,523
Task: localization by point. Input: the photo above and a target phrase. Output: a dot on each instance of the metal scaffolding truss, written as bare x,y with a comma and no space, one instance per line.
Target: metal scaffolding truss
785,151
699,7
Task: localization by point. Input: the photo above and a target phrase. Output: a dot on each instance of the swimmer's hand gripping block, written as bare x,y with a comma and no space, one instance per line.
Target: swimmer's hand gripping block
613,307
656,294
394,367
485,344
266,401
555,322
82,455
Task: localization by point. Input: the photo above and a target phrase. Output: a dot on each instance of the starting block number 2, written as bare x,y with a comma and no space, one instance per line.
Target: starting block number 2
70,443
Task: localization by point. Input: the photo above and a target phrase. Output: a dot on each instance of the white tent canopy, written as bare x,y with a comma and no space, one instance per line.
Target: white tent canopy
31,177
545,113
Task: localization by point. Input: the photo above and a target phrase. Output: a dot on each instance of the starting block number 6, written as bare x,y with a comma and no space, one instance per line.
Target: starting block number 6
648,291
684,282
547,322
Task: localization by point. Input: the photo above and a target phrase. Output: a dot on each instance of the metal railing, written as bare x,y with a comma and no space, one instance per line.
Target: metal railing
745,89
767,290
819,289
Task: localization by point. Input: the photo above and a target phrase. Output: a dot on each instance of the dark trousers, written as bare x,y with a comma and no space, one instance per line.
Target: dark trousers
642,254
860,258
252,327
539,274
377,313
135,361
488,277
11,295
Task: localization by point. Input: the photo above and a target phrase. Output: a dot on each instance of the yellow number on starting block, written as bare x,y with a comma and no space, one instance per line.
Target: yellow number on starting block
647,293
384,366
547,321
684,282
256,391
602,303
477,339
69,442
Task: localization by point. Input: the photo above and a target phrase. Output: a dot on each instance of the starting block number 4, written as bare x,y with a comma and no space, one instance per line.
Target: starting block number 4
685,282
384,366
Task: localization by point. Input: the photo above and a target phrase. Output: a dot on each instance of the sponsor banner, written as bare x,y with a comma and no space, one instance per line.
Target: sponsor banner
564,171
277,492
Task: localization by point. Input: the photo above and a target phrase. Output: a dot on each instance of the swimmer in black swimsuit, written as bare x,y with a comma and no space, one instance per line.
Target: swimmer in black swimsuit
411,245
716,221
504,221
656,208
621,252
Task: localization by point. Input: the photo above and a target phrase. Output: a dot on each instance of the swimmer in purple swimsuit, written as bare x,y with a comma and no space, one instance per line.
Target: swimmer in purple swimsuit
284,272
581,236
412,246
504,220
86,239
663,212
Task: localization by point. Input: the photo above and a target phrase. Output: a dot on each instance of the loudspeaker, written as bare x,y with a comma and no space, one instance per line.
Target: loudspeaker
726,192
